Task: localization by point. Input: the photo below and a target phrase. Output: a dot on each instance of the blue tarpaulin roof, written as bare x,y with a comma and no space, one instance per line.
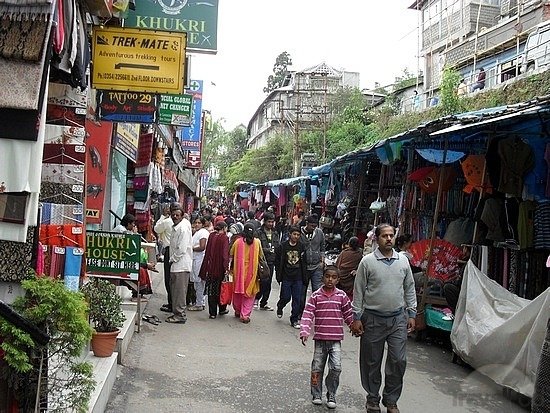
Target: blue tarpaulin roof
286,182
454,126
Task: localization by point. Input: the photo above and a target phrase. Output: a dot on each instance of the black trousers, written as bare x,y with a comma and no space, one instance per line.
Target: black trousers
167,265
214,306
265,287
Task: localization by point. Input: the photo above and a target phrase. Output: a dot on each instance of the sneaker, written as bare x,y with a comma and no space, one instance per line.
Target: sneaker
392,408
373,407
295,324
317,401
279,312
266,308
331,401
256,304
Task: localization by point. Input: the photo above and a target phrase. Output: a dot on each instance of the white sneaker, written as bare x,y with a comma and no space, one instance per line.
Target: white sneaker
331,402
296,325
317,401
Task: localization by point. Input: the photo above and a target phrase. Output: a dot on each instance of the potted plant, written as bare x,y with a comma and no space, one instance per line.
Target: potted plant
65,381
105,314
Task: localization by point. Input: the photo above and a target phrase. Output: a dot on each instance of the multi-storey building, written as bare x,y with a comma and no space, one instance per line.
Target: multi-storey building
301,103
471,34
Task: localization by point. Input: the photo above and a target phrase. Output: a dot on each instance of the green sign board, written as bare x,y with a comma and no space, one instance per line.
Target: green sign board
198,18
112,254
175,109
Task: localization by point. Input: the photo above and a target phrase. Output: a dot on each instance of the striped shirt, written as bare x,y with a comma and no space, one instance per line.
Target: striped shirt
329,309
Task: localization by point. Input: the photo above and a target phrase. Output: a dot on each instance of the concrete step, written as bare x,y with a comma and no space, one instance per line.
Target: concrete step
105,372
126,333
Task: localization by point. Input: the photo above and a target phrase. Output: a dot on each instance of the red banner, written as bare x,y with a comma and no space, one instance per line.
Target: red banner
97,166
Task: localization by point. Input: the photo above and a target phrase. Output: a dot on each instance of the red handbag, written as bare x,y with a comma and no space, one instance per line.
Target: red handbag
226,292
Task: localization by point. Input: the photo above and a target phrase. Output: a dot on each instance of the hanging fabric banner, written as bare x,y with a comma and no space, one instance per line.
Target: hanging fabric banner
97,165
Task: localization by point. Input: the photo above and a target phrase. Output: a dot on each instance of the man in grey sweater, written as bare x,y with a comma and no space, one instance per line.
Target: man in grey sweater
384,305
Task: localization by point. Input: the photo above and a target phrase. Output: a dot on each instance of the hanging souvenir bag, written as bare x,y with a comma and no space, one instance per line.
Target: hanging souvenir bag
377,205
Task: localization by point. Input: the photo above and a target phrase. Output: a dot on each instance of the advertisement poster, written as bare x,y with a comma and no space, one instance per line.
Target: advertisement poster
98,144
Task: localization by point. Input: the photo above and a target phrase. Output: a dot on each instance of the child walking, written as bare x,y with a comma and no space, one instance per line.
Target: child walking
290,271
329,307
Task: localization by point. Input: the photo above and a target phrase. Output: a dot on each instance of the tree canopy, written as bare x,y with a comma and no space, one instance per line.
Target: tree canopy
280,70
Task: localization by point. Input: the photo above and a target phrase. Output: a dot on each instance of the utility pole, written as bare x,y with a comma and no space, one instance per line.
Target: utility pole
296,146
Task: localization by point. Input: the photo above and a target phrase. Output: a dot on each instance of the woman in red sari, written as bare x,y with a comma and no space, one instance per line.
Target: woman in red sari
245,254
214,267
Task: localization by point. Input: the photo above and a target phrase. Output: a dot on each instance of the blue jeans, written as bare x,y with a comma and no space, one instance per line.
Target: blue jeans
326,349
291,290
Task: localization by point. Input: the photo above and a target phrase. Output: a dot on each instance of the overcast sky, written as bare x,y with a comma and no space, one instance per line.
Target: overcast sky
376,38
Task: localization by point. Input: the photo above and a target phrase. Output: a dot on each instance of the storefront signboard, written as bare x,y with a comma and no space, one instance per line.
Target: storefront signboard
175,109
199,19
138,60
190,136
127,140
133,107
194,160
112,254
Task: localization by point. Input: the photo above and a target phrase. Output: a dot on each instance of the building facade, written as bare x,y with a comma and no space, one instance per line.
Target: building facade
302,103
472,34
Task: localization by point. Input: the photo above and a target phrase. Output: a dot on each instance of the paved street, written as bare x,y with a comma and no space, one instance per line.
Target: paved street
223,365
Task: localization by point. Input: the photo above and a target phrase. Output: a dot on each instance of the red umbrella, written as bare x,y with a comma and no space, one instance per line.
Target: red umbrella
445,256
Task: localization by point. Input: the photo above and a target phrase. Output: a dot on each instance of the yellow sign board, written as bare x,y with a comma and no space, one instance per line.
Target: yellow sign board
138,60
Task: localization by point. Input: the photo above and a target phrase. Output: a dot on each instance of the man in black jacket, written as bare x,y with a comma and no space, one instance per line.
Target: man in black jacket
269,238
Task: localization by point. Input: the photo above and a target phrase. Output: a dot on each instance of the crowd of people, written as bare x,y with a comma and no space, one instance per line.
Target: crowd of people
373,293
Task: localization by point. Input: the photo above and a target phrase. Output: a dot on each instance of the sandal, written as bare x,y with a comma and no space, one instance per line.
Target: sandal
153,319
174,320
245,320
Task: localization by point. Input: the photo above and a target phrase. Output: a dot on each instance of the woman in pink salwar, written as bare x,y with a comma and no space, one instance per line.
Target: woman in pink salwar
245,254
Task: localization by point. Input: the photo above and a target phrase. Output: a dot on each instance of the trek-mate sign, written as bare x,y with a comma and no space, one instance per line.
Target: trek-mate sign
138,60
109,253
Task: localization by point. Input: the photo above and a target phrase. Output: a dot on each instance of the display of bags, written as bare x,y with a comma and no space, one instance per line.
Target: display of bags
226,291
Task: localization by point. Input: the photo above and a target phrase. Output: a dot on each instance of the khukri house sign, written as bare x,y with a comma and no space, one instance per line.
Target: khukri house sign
113,254
198,18
138,60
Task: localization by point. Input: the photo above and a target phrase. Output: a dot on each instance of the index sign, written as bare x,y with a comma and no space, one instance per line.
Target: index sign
138,60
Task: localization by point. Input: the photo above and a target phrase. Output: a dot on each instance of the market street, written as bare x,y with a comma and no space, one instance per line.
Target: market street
223,365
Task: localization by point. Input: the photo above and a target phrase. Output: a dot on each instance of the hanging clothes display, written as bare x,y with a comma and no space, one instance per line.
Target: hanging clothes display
517,159
24,51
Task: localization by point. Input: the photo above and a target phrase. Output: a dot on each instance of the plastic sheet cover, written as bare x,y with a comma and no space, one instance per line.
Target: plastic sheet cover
499,333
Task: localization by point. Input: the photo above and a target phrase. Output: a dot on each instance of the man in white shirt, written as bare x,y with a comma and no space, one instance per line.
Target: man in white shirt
181,259
163,229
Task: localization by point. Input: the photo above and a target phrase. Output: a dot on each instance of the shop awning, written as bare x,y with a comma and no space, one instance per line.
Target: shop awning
507,119
286,182
321,169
